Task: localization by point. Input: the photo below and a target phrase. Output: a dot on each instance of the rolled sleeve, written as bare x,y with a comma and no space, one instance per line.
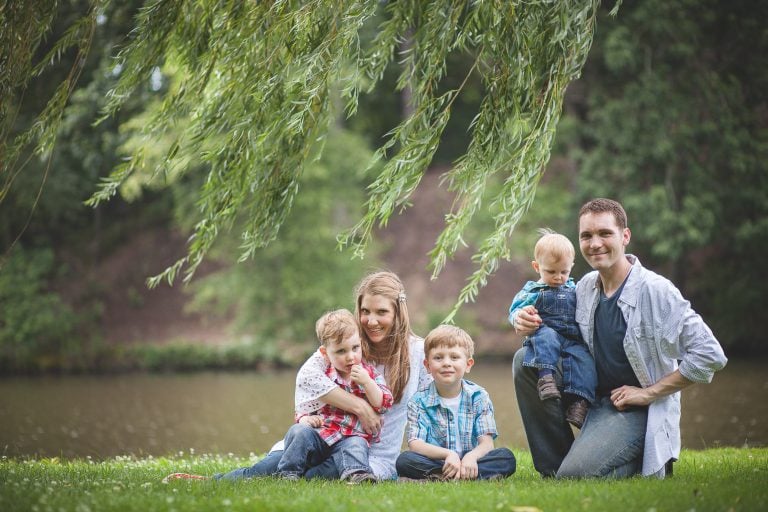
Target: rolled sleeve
689,339
703,355
485,423
417,427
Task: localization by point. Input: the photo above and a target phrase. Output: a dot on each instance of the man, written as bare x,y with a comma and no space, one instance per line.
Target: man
648,344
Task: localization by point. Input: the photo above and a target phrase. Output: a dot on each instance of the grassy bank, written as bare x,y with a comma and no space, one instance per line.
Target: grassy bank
718,479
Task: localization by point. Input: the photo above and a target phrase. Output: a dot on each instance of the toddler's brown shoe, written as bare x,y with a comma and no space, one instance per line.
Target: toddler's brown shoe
577,413
548,387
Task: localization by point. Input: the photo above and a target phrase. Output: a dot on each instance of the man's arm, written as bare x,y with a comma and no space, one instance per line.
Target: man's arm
627,396
523,301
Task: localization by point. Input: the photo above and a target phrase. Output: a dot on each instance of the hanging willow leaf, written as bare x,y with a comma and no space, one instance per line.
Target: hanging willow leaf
255,94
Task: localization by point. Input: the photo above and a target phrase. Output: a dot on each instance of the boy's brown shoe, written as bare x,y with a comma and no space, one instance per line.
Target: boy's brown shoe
577,413
548,387
361,478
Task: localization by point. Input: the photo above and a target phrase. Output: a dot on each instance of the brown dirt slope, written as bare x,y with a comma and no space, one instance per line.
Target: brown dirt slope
134,313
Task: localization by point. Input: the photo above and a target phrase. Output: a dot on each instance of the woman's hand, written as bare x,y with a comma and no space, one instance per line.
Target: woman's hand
369,419
527,321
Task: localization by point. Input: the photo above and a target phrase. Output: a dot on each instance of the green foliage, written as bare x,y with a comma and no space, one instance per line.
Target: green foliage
183,357
279,293
674,130
716,479
36,326
257,92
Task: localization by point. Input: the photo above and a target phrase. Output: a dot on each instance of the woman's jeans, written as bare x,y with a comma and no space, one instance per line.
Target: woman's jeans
498,463
610,443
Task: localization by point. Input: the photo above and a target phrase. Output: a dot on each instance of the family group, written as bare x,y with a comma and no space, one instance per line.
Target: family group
597,381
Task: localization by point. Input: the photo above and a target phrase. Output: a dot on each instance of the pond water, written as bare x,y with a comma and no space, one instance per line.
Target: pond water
240,413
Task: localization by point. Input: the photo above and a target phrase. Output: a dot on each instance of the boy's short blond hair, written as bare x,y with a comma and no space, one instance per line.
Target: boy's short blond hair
335,326
448,336
553,244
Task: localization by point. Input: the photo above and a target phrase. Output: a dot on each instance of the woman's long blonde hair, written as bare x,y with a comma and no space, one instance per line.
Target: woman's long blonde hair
393,352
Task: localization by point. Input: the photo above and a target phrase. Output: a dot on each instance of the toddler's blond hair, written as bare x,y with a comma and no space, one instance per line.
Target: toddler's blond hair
335,326
553,244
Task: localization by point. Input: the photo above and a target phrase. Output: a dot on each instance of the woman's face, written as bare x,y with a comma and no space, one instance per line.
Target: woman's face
377,316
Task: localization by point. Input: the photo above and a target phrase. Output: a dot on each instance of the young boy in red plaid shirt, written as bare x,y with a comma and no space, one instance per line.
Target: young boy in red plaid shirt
333,432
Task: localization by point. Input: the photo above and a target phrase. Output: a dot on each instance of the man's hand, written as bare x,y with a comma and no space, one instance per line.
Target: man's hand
469,469
628,396
312,420
358,375
452,467
527,321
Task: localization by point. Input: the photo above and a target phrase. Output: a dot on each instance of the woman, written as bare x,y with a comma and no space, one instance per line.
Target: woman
389,344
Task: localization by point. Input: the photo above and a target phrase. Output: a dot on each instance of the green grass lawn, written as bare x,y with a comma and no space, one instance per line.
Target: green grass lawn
716,479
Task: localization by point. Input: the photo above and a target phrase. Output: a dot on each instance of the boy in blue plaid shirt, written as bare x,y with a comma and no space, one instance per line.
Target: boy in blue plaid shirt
451,425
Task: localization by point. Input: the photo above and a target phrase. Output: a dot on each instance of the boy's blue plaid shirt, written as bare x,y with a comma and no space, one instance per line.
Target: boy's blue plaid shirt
433,423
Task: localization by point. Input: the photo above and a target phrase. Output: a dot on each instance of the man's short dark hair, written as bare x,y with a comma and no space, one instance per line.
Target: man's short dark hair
603,205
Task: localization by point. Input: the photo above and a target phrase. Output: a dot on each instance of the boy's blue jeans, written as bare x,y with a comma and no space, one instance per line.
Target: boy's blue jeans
610,443
498,463
546,348
304,448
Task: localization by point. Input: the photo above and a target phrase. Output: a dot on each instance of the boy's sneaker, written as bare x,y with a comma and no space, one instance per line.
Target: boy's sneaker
360,478
577,413
405,479
548,387
182,476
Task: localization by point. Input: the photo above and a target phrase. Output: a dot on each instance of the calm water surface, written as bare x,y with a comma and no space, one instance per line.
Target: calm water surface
243,412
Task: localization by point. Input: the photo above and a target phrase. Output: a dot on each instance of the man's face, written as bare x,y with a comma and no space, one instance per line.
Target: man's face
601,240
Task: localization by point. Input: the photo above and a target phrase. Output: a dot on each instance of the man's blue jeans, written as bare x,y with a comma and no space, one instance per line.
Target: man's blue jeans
610,444
304,448
498,463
